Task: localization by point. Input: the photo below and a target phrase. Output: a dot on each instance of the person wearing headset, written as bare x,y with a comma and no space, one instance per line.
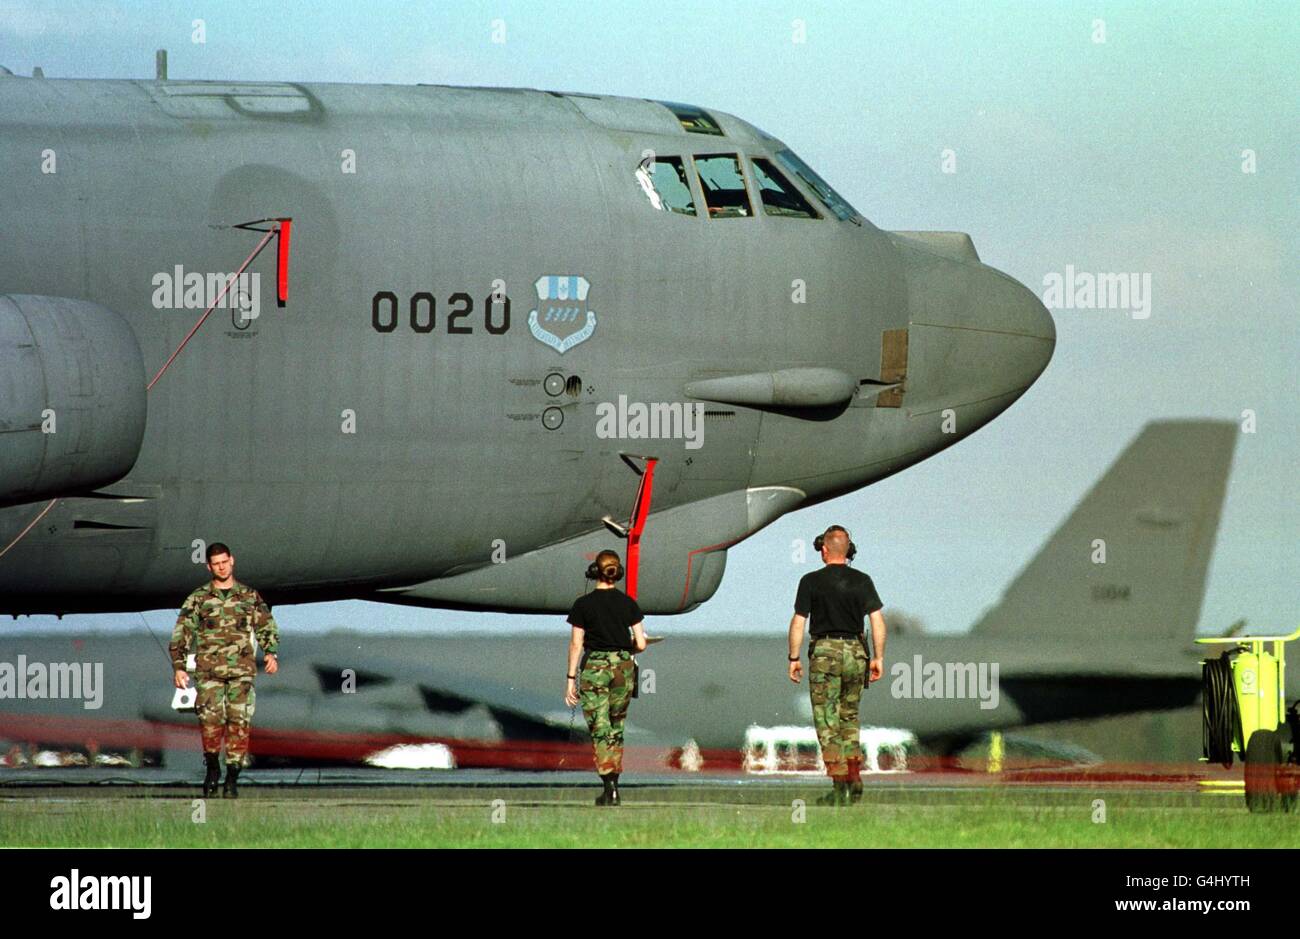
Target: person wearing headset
837,597
607,631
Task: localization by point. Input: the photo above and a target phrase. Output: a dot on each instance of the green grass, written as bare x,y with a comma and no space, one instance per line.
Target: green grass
650,818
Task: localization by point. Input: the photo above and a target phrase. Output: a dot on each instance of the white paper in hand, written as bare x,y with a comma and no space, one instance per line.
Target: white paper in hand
185,699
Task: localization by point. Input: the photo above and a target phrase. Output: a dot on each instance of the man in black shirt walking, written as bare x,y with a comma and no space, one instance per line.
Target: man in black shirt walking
837,598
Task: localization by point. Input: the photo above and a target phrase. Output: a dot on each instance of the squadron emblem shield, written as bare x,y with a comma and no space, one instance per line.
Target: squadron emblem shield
562,319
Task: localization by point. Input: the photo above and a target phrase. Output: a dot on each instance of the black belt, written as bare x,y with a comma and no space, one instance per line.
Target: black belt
861,638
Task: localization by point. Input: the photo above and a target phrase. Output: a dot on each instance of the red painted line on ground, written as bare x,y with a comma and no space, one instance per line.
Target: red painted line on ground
537,755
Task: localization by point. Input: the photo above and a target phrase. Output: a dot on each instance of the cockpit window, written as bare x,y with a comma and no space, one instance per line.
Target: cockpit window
663,179
828,196
694,120
778,195
724,185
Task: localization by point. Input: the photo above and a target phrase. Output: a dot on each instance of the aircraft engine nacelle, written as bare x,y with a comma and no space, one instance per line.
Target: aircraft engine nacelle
72,397
683,556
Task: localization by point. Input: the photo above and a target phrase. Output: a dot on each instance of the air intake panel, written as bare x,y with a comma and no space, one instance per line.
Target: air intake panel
72,397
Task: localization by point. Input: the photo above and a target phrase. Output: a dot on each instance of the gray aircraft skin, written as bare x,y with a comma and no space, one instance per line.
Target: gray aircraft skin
394,428
1073,637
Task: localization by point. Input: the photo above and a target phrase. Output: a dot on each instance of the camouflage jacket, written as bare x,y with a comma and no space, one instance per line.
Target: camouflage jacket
219,625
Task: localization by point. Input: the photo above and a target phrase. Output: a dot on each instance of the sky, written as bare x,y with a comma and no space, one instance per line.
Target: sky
1106,136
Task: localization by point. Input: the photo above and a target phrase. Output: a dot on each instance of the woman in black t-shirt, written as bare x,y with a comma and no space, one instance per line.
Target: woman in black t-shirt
607,630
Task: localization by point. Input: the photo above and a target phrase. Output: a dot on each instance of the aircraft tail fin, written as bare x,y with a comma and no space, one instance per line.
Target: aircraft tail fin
1131,559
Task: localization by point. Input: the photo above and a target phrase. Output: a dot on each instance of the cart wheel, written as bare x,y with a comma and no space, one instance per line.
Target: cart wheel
1263,773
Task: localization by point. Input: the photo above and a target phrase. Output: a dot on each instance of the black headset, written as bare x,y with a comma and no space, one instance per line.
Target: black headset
594,571
821,540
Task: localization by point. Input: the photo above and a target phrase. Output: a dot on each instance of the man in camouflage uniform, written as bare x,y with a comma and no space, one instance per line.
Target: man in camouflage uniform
837,670
219,621
837,598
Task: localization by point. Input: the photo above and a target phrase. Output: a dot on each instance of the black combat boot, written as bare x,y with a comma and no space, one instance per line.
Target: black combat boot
213,774
231,789
609,795
855,781
839,794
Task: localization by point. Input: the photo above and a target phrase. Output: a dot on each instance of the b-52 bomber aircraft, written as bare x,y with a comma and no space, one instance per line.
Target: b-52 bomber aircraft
499,328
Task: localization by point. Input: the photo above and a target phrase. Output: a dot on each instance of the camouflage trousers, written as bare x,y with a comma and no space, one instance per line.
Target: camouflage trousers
226,710
605,690
837,671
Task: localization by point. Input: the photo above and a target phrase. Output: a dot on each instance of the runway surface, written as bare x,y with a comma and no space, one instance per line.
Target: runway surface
722,788
1107,806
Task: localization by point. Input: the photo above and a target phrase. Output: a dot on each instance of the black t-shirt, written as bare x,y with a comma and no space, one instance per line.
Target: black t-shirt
837,597
606,618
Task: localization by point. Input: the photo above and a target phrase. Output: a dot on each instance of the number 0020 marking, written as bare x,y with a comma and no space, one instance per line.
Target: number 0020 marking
423,313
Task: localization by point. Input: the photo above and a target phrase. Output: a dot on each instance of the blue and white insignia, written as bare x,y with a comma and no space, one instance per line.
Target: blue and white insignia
562,319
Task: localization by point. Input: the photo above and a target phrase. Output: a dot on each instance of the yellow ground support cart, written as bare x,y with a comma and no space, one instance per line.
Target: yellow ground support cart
1244,712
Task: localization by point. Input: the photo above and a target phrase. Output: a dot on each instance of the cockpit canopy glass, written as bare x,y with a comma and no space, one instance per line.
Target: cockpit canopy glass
663,179
724,185
778,194
822,189
694,120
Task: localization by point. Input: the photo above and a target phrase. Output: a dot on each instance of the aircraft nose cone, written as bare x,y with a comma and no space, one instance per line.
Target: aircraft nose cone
1009,308
978,338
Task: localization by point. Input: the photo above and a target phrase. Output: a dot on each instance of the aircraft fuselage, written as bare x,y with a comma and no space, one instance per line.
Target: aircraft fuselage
393,422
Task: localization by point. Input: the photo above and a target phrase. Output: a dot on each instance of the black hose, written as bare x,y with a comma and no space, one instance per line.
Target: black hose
1219,717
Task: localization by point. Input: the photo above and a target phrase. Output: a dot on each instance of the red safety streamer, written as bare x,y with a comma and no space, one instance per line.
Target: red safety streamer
639,513
281,227
282,262
206,313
